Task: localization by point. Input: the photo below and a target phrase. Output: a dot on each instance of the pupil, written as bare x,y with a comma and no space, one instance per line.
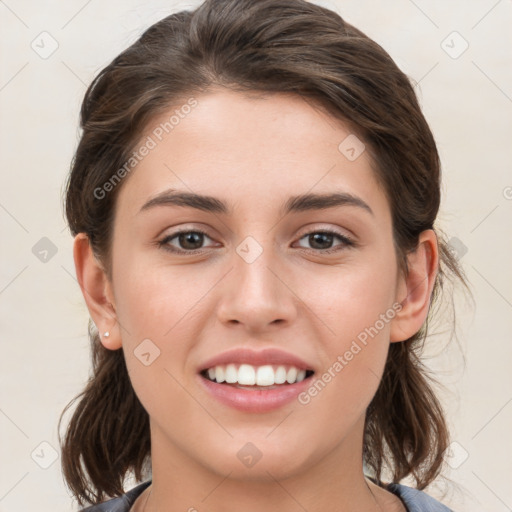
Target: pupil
317,237
192,237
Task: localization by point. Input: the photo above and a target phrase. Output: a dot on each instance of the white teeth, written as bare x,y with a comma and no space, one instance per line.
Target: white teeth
231,374
291,376
265,376
248,375
280,375
219,374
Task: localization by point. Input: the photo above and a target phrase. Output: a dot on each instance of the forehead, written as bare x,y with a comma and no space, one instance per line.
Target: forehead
249,149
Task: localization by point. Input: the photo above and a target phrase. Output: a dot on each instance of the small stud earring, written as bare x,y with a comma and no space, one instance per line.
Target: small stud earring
106,334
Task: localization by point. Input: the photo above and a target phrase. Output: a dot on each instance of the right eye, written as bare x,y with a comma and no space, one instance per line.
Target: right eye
189,240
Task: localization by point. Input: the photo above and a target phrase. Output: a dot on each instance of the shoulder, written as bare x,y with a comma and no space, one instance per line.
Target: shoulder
122,503
415,500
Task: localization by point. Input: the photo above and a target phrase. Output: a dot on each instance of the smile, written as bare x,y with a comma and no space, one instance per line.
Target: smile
255,380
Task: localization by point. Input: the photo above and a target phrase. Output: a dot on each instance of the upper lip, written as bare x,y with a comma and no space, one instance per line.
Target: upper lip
266,356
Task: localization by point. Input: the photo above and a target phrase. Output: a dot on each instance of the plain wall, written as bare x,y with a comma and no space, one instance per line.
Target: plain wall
467,100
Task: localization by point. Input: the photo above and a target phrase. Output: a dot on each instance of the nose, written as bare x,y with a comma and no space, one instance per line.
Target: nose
257,295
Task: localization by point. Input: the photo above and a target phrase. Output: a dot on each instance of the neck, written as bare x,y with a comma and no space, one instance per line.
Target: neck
179,482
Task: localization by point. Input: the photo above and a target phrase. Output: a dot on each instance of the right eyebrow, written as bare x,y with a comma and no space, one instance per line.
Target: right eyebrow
172,197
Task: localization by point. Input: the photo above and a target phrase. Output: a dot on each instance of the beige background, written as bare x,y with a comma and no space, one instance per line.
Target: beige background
467,99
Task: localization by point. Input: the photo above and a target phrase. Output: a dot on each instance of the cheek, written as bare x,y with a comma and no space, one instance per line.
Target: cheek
355,358
357,306
351,299
162,331
155,300
156,308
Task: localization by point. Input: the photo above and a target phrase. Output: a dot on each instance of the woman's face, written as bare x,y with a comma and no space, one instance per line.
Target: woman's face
265,275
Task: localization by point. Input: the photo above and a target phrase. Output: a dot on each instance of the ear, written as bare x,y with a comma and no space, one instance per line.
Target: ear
415,290
97,292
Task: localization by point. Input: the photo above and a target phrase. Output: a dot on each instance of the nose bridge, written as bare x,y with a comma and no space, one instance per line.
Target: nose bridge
256,295
252,268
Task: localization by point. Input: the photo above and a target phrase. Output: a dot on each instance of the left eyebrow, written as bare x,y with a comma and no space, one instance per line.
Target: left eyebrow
300,203
307,202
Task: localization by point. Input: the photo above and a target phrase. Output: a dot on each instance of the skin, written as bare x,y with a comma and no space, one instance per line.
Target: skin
254,152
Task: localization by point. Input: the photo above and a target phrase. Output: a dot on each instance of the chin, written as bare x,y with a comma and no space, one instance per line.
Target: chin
252,458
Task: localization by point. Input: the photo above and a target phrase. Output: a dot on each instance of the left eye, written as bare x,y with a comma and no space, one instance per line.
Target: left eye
324,238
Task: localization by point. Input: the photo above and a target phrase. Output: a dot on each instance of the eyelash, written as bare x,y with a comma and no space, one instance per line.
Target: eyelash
347,242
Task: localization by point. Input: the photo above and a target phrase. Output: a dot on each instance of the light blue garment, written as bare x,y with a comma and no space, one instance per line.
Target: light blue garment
414,500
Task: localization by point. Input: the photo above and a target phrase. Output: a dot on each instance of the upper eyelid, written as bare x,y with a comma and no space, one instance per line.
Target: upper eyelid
316,229
304,232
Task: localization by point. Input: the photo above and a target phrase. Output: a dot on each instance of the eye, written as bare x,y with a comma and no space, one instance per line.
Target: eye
322,240
189,241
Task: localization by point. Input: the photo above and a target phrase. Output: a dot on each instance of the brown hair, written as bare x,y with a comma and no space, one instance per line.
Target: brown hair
271,46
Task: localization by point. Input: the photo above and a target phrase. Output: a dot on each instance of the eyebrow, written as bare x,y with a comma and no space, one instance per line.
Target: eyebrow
300,203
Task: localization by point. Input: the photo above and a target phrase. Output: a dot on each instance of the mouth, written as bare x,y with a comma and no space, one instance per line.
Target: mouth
255,389
255,381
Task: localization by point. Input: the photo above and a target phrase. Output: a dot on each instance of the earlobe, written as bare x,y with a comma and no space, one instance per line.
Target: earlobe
97,292
415,289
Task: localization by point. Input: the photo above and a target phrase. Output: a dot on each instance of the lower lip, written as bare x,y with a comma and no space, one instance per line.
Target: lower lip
255,400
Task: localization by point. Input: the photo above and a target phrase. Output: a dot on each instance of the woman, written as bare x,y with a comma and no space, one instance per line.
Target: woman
253,203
